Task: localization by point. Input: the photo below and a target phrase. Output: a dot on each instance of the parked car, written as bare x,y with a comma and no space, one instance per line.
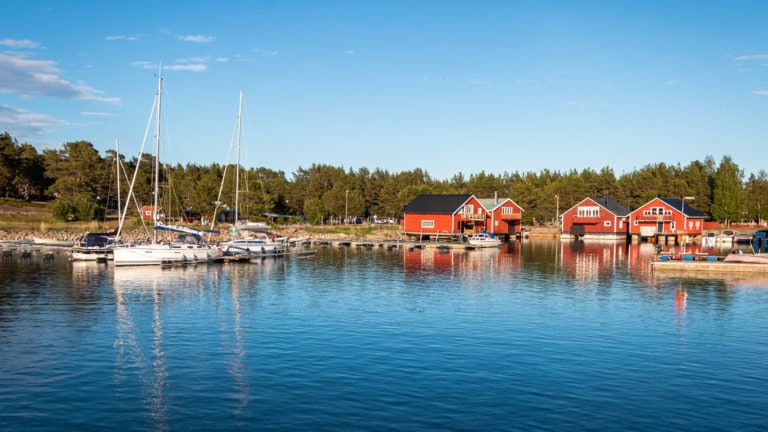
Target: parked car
353,220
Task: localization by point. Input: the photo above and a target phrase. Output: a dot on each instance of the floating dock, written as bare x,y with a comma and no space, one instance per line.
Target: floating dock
709,267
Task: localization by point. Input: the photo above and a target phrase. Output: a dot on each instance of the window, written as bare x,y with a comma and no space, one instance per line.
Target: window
469,209
672,226
507,210
588,211
657,211
607,223
427,224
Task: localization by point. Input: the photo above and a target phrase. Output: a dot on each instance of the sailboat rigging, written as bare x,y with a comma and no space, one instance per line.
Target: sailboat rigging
256,241
188,246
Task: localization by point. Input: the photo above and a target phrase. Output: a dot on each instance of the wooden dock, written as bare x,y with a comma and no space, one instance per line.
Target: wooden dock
390,245
708,267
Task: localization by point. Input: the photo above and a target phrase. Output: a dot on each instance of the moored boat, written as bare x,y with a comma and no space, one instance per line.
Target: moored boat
94,247
188,246
483,239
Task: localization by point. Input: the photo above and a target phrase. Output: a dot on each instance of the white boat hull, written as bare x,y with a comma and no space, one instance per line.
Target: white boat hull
237,247
97,254
158,254
485,243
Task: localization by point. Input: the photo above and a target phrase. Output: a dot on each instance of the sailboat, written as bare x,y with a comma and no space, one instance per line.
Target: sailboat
248,238
188,247
97,246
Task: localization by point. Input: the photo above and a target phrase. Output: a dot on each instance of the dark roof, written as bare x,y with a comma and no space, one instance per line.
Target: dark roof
438,204
678,204
612,206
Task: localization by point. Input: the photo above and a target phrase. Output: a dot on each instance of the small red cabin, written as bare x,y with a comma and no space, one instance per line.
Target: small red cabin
596,218
148,211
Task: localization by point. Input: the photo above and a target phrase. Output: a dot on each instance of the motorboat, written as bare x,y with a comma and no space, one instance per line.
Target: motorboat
259,244
483,239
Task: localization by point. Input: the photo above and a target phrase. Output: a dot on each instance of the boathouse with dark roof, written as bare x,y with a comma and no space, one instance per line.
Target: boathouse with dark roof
667,220
597,219
435,217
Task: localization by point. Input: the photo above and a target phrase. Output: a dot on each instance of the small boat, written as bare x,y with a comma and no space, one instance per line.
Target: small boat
254,244
94,247
740,257
51,242
483,239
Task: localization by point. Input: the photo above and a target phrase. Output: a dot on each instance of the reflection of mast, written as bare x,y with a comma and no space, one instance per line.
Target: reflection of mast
129,353
158,403
237,367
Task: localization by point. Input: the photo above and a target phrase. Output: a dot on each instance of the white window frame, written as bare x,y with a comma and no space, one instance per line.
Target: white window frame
588,211
427,223
607,223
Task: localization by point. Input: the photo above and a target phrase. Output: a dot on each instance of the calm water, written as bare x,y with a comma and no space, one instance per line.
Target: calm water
539,336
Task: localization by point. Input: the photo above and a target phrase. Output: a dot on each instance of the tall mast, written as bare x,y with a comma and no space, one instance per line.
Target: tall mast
117,172
237,166
157,155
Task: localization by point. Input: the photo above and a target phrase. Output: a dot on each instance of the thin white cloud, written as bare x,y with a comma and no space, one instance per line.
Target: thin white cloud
187,67
478,82
265,53
751,57
202,60
28,77
23,123
121,37
196,38
350,52
144,64
761,92
19,43
97,114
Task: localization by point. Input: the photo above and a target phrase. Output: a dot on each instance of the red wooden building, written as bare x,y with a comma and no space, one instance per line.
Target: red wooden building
596,218
434,216
148,211
504,216
661,218
430,216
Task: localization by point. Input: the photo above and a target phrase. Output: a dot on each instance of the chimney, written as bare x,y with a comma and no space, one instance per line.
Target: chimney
495,197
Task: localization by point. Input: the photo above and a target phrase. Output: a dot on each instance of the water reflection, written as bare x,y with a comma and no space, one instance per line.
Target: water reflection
490,260
152,370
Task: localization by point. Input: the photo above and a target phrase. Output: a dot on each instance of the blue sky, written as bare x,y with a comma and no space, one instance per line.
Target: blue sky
446,86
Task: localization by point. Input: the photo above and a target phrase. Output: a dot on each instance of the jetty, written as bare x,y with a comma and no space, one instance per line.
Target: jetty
708,267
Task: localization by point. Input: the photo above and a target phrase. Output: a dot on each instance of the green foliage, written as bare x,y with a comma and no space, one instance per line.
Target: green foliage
77,175
726,192
61,211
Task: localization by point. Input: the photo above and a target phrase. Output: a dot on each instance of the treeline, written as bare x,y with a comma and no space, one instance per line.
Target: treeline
84,185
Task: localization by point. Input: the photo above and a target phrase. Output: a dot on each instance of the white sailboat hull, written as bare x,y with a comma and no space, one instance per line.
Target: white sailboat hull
165,254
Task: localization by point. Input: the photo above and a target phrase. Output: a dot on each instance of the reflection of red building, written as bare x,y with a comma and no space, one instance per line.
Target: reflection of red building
596,218
661,217
490,260
592,260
